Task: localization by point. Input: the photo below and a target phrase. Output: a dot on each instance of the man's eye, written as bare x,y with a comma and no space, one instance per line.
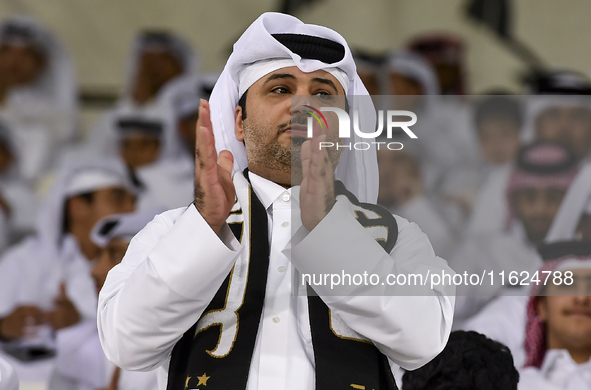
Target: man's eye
280,90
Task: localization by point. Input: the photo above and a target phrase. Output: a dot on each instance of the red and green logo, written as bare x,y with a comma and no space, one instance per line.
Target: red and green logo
314,113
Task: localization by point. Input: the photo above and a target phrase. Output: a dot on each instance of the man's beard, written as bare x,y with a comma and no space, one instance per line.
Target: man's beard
279,158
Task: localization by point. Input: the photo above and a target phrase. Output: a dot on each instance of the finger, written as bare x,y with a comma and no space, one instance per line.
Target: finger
226,161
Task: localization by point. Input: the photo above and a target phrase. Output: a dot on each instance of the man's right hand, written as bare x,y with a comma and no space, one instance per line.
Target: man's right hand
214,190
14,325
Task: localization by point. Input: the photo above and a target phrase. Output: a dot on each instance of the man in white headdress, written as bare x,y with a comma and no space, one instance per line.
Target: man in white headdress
37,93
179,271
80,362
558,328
19,200
537,186
45,281
497,121
503,318
445,146
157,60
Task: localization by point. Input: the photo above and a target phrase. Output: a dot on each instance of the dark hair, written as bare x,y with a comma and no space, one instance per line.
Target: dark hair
242,104
498,107
469,361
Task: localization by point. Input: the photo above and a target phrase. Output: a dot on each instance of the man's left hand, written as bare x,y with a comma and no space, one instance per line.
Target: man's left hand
317,188
64,313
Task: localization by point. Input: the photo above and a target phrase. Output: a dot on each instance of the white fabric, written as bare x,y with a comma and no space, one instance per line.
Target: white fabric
159,291
127,226
81,364
572,208
422,212
93,179
537,104
504,320
168,184
42,115
574,264
357,170
253,72
491,252
415,67
558,372
28,276
489,213
8,378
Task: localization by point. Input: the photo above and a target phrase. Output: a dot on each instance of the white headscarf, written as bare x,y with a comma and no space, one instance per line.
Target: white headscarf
574,205
415,67
57,83
77,175
358,170
537,104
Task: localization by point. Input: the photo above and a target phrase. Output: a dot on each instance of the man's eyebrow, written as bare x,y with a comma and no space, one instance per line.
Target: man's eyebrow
326,81
277,76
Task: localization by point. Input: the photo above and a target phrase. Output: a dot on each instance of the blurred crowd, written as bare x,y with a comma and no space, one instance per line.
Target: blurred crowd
498,182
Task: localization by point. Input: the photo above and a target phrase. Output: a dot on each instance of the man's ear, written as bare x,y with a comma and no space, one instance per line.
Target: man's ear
542,308
239,125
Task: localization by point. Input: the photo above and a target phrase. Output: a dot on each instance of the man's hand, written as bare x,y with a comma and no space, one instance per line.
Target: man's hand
317,189
214,190
14,325
64,313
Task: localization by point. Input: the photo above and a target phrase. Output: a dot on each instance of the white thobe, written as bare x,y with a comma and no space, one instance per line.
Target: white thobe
489,213
158,292
558,372
8,378
29,275
504,320
422,212
501,252
81,364
169,184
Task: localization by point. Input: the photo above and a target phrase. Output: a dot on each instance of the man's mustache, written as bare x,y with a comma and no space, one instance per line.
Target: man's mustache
296,119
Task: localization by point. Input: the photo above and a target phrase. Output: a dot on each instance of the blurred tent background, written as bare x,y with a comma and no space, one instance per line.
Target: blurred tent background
99,33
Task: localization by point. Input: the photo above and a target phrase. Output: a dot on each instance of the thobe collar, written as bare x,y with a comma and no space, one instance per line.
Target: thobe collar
560,360
268,192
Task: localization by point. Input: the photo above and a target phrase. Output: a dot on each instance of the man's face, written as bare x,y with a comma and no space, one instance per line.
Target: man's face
407,92
109,201
570,125
536,208
186,131
138,150
157,67
273,131
566,311
20,65
108,257
499,140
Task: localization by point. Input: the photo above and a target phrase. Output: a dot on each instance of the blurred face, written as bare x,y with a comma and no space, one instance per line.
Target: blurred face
138,150
273,132
536,208
409,90
370,80
108,201
108,257
6,158
584,228
570,125
498,140
20,65
186,128
566,311
158,68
